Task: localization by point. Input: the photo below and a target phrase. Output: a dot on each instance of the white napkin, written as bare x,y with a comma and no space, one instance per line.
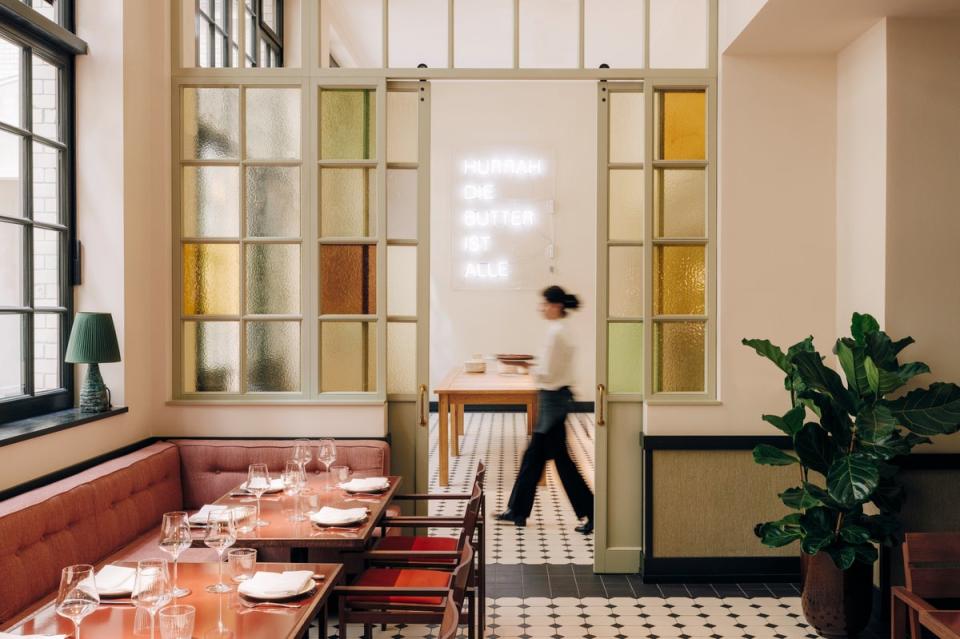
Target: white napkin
366,484
203,515
277,584
276,485
115,579
7,635
330,516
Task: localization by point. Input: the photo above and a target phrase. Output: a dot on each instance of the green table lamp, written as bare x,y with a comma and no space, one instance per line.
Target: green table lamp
93,341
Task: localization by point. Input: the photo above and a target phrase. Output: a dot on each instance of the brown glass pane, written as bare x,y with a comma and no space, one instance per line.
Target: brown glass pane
348,120
679,280
683,125
679,357
348,357
211,279
680,203
348,202
348,279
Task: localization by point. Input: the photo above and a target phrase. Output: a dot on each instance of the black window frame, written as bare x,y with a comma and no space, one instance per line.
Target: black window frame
267,42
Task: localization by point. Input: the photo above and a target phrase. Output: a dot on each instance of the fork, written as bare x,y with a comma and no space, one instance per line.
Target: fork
276,604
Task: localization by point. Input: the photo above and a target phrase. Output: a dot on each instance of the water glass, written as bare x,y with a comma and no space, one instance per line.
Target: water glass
327,453
293,482
77,596
244,518
151,588
243,563
258,482
175,537
221,534
341,474
176,622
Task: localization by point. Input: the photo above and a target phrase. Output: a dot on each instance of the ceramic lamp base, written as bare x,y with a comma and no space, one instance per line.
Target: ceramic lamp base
94,397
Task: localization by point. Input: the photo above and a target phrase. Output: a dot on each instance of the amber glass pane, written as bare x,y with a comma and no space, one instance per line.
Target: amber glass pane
211,123
273,124
211,201
348,124
401,280
402,204
679,280
401,357
273,357
626,281
211,357
402,126
348,357
679,357
625,357
273,201
273,278
211,279
626,205
348,202
626,126
348,279
683,125
680,203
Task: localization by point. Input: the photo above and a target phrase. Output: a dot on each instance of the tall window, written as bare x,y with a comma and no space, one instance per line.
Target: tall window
219,33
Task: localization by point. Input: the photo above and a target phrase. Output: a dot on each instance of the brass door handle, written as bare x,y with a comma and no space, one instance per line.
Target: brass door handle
601,399
423,405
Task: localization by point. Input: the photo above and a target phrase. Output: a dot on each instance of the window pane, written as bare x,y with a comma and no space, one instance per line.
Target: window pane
10,56
682,128
271,15
11,265
352,33
625,357
613,33
203,44
549,33
402,126
402,280
678,34
46,184
273,201
483,34
211,201
402,204
273,278
401,357
679,357
273,357
273,124
211,357
46,8
45,99
348,202
11,172
680,203
11,355
211,279
679,280
348,125
46,352
626,204
626,281
46,267
348,279
211,123
348,357
626,126
418,33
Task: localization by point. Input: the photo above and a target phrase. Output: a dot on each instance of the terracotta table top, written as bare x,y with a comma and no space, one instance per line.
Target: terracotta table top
116,621
943,623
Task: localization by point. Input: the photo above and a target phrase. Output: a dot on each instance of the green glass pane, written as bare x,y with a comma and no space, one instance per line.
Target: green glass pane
626,281
211,201
273,124
682,125
273,201
348,279
273,279
626,205
625,357
211,357
626,126
402,280
679,362
348,124
680,203
401,357
273,357
211,123
348,202
211,279
679,280
348,357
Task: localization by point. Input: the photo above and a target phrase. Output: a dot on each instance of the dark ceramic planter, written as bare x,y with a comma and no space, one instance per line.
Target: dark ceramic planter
837,603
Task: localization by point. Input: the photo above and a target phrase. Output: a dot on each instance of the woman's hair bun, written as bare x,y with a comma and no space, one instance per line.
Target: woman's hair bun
571,301
556,295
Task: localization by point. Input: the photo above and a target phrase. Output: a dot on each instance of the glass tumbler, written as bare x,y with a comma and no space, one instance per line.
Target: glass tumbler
176,622
243,563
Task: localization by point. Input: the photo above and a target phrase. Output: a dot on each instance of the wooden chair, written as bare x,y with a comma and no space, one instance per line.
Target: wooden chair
931,566
451,620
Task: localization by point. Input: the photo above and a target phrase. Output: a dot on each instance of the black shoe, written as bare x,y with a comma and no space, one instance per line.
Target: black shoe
586,527
507,515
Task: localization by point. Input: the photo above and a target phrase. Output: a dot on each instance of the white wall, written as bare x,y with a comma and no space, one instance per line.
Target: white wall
561,116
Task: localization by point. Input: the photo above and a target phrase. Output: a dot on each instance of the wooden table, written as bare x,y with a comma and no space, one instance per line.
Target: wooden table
116,621
460,388
943,623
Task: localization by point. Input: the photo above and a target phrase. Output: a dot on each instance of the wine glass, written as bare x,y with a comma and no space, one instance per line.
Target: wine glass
258,482
293,481
302,454
151,589
327,453
78,595
221,534
175,537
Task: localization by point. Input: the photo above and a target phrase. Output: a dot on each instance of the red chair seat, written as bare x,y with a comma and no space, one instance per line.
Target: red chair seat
402,578
414,544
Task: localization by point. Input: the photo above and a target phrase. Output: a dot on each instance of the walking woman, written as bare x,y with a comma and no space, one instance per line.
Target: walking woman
554,377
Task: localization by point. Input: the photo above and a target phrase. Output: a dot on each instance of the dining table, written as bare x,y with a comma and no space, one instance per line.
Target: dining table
944,624
245,618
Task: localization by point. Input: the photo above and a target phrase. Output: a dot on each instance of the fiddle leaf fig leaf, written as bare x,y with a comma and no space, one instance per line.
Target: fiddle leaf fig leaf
875,423
815,375
853,534
862,325
852,478
790,422
822,495
851,359
804,346
814,448
843,556
775,354
866,553
772,456
929,411
818,532
872,375
799,499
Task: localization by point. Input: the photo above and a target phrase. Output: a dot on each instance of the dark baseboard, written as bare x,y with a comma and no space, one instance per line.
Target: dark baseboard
578,407
721,569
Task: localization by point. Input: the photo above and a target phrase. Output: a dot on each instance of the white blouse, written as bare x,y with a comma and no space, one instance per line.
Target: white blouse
555,369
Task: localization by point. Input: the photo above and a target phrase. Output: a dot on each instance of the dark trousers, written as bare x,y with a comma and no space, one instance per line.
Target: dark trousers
549,441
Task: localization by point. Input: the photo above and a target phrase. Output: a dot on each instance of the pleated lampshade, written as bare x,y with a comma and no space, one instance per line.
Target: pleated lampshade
93,339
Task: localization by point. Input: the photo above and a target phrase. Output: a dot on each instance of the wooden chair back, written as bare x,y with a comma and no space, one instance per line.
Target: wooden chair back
462,573
931,564
470,517
451,620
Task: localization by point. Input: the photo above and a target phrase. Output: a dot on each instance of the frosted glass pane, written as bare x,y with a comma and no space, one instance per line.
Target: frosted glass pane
683,125
483,34
348,279
11,265
11,184
273,124
273,357
211,123
348,124
418,33
348,357
678,34
402,126
549,33
11,355
402,204
679,280
46,99
46,267
10,80
625,357
401,357
46,184
626,204
273,278
211,357
211,279
625,292
402,280
273,201
351,33
680,203
679,357
348,202
613,33
211,201
626,126
46,352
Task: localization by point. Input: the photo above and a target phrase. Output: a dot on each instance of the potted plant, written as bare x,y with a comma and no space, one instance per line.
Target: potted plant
847,438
